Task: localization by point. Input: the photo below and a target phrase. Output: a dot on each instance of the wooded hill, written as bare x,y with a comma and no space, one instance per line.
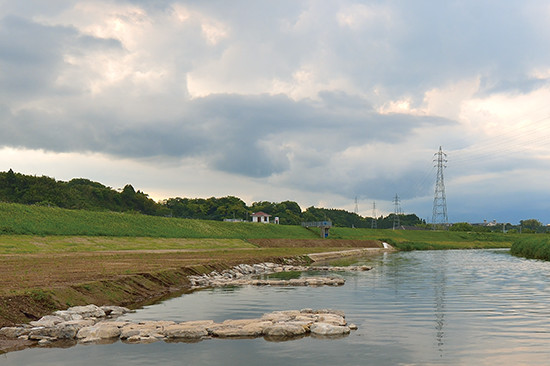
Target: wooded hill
80,193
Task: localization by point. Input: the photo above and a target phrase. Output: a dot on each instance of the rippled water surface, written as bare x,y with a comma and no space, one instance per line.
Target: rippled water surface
481,307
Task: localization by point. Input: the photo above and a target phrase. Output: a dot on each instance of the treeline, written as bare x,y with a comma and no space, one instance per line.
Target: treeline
530,226
76,194
88,195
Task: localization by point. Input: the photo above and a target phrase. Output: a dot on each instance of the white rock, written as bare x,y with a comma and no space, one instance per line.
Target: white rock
328,329
87,311
98,332
47,321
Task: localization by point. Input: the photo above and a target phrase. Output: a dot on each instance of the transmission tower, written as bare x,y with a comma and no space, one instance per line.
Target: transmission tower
439,214
374,224
356,210
396,212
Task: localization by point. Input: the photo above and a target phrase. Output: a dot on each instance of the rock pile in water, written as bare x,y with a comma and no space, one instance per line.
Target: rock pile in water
243,273
87,324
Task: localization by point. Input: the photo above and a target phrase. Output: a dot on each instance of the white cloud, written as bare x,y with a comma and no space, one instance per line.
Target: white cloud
357,16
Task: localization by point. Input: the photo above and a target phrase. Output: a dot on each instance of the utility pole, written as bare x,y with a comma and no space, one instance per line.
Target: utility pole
396,212
374,224
439,213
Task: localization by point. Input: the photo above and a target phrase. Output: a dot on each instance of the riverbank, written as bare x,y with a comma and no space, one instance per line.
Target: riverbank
36,284
138,289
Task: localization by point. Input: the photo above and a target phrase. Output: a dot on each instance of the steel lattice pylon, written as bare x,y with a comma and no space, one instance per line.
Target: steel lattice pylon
396,212
374,224
439,214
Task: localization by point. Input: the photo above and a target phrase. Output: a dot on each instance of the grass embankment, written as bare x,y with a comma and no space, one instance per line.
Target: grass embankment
532,247
429,240
53,258
38,220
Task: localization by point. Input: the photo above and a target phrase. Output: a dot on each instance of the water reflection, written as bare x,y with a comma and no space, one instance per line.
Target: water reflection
439,301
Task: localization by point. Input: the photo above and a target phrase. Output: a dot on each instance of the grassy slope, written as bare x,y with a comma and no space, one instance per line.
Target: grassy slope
37,220
425,239
22,220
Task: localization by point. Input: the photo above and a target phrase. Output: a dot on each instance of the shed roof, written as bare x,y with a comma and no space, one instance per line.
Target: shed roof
260,214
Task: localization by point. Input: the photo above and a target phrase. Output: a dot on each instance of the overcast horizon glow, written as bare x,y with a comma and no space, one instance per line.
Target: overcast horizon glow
309,101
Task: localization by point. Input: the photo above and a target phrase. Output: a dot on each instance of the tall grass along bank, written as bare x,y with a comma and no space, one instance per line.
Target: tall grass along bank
533,247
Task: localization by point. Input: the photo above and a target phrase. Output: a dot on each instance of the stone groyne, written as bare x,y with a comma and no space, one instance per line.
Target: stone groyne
243,275
89,324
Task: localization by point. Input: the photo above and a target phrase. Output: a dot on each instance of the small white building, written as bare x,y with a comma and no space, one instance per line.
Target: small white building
261,217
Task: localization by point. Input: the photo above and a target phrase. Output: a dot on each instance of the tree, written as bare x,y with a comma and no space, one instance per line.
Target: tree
531,224
461,226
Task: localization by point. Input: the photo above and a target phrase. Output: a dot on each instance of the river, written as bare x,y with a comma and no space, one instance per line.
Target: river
482,307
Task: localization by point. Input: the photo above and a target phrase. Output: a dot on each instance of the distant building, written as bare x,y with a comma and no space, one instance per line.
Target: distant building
486,223
261,217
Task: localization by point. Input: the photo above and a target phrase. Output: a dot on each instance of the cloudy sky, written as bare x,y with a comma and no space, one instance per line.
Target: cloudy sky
316,102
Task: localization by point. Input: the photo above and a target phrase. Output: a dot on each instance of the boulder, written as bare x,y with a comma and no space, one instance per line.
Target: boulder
333,319
240,328
47,321
327,329
67,315
111,310
98,332
281,316
185,331
146,329
61,331
88,311
284,330
14,332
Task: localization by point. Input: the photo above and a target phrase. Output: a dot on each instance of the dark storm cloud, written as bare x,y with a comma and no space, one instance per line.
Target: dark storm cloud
231,132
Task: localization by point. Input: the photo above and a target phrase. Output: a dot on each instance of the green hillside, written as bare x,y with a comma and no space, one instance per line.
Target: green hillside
84,194
41,220
18,219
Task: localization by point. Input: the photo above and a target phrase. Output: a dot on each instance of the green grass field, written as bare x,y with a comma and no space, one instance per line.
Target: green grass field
38,220
38,229
428,240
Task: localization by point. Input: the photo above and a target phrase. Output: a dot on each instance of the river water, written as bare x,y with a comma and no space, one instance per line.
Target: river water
469,307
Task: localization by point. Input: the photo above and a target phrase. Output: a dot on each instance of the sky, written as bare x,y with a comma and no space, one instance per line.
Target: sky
324,103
